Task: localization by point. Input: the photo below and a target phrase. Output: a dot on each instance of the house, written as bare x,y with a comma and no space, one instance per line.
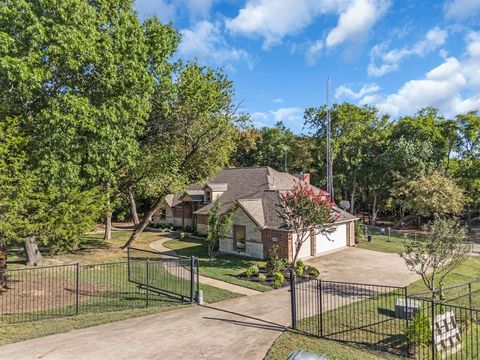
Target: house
256,222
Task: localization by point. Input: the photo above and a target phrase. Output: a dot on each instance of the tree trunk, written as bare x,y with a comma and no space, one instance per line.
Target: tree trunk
145,221
133,206
354,190
34,257
373,220
108,216
108,226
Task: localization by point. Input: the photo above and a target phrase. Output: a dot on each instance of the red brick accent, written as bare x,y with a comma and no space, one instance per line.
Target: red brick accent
282,239
177,212
351,233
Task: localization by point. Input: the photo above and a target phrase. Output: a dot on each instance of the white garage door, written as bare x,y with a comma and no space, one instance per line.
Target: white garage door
332,241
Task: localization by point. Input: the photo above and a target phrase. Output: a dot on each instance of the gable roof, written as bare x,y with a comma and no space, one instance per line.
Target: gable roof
257,190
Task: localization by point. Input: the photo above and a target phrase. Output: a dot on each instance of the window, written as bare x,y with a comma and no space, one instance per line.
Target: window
239,237
163,214
208,196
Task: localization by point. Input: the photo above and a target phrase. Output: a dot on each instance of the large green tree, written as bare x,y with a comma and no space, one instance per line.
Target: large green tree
190,134
77,77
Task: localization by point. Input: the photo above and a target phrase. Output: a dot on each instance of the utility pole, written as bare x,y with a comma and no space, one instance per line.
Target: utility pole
286,158
329,146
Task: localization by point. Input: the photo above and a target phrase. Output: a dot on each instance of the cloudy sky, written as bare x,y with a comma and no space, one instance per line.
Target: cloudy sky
399,55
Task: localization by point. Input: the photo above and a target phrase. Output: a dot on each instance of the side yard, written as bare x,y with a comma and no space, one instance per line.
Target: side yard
224,267
105,294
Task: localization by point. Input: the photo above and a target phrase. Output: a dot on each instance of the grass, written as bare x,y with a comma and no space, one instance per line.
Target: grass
223,267
289,341
383,243
105,293
92,249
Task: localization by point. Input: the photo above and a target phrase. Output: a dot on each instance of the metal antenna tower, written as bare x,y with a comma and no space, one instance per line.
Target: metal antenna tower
329,146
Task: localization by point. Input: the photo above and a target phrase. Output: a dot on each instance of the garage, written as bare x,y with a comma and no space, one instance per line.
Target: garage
332,241
322,243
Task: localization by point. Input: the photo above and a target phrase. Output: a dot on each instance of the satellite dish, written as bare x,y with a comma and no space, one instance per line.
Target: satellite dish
344,204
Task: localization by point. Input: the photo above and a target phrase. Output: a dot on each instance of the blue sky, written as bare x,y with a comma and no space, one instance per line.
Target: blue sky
397,55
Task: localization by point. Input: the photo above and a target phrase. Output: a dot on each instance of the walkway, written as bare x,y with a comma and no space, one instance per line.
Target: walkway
158,246
241,328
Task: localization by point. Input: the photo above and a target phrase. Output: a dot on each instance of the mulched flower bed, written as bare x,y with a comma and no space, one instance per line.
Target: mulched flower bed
310,273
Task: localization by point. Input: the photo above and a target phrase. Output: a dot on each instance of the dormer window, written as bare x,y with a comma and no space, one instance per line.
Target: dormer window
208,196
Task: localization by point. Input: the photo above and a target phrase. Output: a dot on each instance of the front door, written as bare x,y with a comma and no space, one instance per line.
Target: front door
239,237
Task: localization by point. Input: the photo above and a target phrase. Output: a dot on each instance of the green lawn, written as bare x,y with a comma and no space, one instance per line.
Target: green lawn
288,342
92,249
223,267
383,243
106,295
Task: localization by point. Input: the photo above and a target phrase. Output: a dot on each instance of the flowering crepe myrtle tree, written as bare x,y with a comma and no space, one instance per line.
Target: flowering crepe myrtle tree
305,212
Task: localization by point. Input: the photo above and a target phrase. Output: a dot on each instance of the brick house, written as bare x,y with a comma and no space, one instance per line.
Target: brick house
256,223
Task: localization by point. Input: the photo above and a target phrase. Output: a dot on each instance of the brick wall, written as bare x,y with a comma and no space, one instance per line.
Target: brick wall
351,233
282,239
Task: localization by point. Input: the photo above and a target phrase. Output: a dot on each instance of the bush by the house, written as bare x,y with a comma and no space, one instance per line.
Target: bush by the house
274,262
279,280
262,277
300,268
251,271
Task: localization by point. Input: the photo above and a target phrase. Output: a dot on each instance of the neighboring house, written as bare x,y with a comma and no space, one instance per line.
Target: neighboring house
256,222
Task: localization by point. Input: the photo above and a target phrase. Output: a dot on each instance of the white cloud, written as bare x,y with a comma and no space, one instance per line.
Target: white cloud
461,9
288,115
344,91
356,20
205,41
292,116
168,10
312,52
274,19
164,10
390,60
278,100
453,86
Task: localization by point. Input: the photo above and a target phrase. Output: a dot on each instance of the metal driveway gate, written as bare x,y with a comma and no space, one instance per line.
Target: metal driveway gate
172,276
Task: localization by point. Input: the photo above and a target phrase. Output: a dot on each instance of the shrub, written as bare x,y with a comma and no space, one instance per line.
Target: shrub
251,271
262,277
274,262
313,272
300,268
359,230
279,279
419,332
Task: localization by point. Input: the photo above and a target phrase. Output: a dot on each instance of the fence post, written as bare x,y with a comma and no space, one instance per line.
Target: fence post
433,330
128,263
406,318
320,315
147,282
192,279
293,300
470,301
77,283
198,279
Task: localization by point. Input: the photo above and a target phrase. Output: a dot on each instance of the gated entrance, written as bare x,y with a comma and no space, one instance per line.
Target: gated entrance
168,275
385,318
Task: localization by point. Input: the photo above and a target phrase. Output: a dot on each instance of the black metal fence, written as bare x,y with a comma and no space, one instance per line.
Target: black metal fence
168,275
66,290
385,318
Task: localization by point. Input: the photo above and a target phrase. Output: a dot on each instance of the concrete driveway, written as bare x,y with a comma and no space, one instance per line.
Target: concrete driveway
242,328
363,266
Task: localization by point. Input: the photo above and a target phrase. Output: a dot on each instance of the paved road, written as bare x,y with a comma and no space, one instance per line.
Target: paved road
242,328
